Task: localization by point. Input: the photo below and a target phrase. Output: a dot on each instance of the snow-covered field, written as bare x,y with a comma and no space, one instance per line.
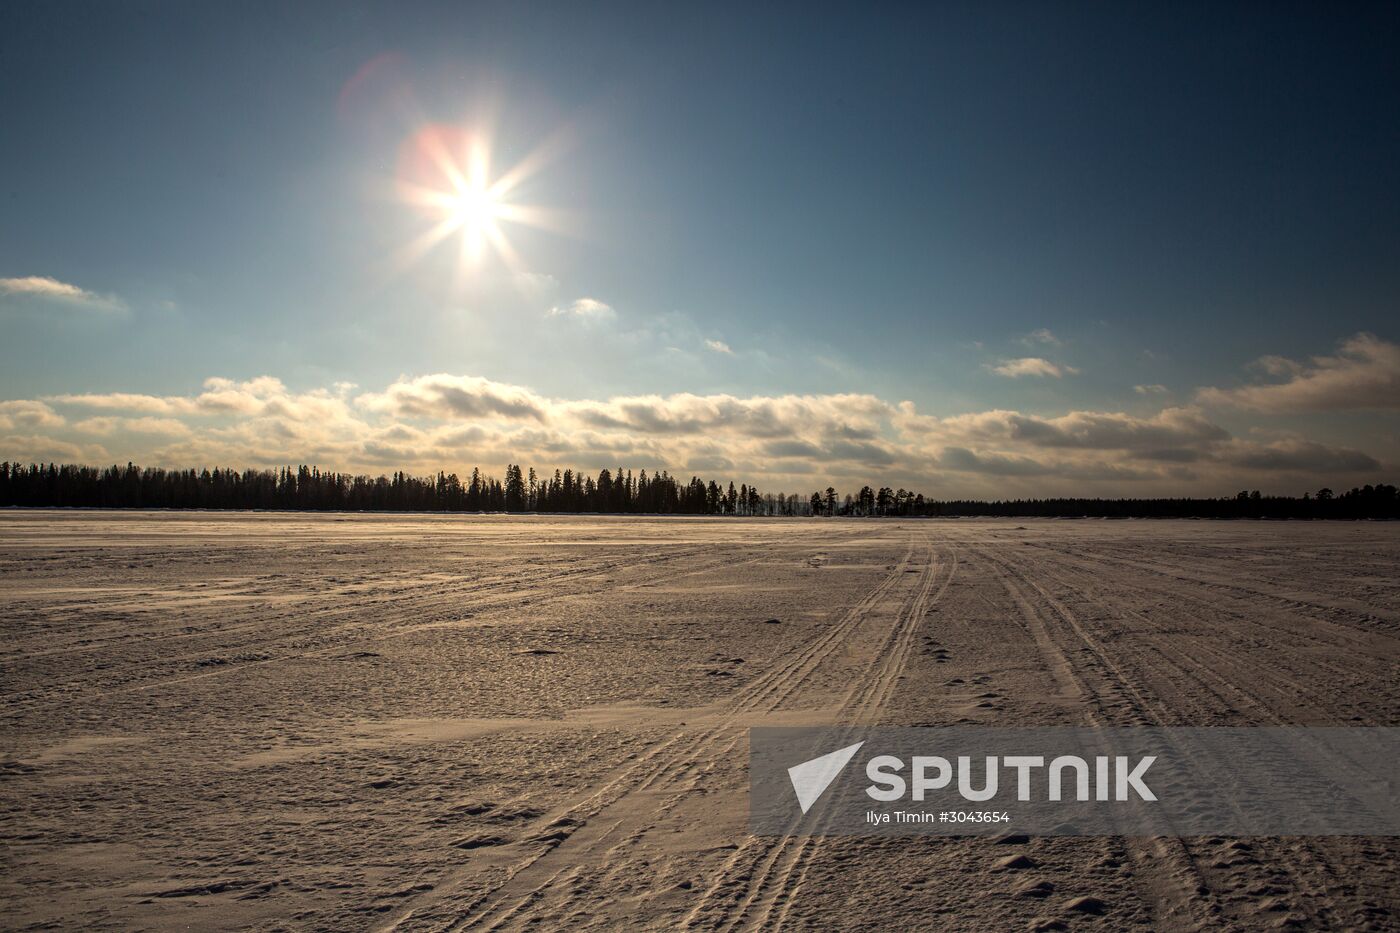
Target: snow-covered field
431,722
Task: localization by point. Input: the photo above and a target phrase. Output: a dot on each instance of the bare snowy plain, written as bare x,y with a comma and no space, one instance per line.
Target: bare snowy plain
457,722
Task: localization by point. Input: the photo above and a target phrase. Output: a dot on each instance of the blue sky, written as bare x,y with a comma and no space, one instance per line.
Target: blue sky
895,205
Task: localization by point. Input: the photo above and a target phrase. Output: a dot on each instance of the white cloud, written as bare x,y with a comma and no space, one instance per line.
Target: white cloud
37,448
1030,366
584,308
847,417
264,395
534,284
1157,437
1153,389
28,414
128,401
1042,335
1364,374
106,426
718,346
456,397
43,287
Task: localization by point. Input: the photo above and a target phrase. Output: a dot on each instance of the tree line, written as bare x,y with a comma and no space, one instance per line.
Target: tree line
307,488
1367,502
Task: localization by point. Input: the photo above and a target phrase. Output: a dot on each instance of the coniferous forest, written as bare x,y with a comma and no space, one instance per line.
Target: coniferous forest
308,488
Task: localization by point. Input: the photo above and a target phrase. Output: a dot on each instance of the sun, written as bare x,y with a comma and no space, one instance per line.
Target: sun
474,211
445,171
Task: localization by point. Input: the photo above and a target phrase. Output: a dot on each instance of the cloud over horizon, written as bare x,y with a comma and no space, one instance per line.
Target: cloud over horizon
1363,374
789,442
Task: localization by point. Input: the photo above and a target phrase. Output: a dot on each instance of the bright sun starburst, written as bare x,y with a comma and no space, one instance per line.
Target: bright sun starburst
475,210
446,172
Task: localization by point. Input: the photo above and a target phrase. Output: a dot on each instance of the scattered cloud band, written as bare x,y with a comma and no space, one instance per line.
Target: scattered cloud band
452,422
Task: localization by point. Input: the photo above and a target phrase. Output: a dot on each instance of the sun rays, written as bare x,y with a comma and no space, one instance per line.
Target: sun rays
445,172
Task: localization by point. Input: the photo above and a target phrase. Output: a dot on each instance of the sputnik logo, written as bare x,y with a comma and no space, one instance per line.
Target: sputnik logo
811,778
